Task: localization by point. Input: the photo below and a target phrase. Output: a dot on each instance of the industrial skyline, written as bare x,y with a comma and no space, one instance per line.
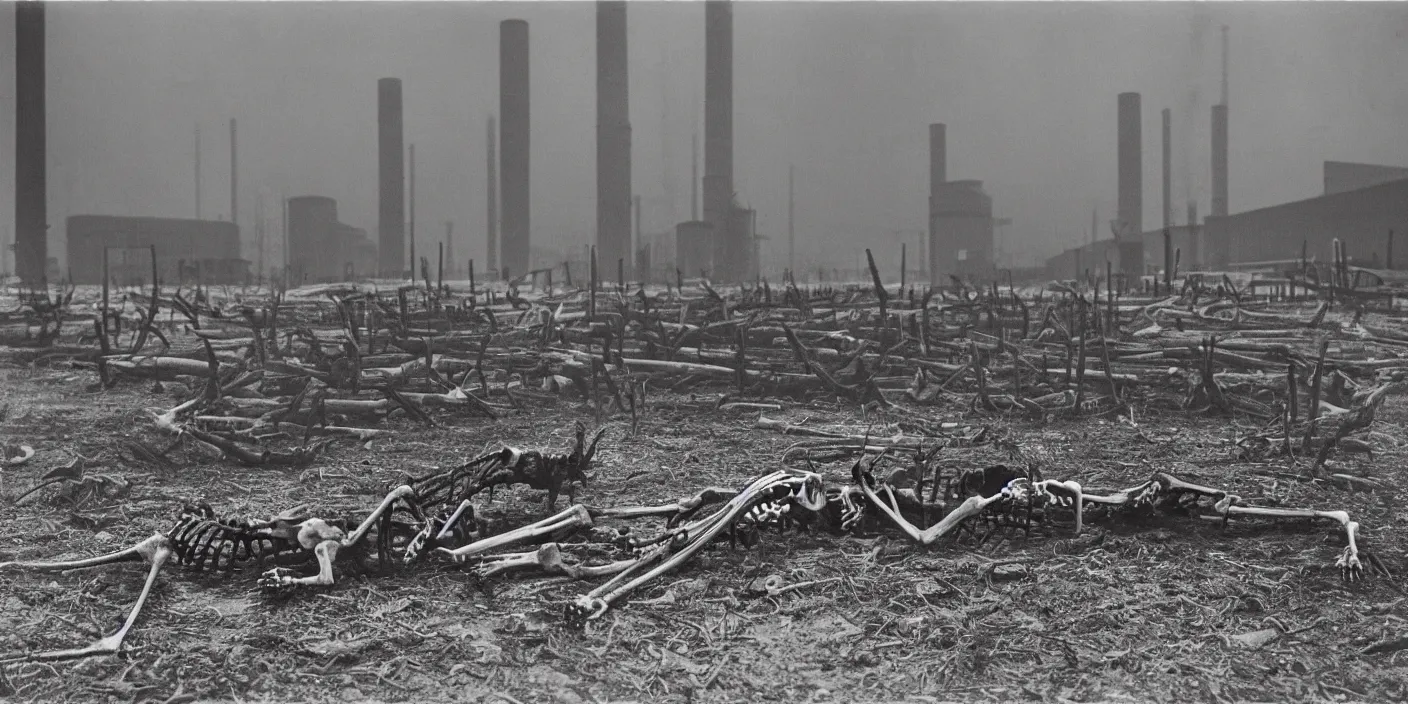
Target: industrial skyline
1029,115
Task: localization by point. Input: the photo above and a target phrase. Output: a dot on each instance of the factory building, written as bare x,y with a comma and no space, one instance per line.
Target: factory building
321,249
962,243
183,247
1360,205
1361,218
1342,176
1076,261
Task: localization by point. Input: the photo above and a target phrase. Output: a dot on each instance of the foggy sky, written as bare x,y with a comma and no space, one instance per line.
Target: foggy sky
845,91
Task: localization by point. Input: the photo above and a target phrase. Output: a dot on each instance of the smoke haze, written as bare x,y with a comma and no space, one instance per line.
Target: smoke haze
844,91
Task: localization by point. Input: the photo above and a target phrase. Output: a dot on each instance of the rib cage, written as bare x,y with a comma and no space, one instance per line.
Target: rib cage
203,541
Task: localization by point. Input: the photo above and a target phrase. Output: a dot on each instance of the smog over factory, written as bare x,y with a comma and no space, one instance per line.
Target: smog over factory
686,121
482,350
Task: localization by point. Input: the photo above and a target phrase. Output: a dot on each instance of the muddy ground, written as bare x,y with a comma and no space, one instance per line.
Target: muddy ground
1141,608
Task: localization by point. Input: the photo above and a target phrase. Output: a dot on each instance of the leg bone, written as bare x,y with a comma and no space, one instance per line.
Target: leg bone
575,516
157,552
595,603
1350,567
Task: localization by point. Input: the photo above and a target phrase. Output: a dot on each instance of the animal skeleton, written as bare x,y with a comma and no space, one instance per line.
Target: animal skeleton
200,540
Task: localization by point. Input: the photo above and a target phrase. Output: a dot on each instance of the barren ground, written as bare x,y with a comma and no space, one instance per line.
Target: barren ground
1157,608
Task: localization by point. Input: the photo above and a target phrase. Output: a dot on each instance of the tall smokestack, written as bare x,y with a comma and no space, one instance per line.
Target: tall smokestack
1193,260
492,228
450,247
1225,58
1131,165
1131,187
694,177
1219,160
730,256
197,170
938,175
938,155
234,177
31,177
791,231
1168,168
391,168
613,135
1220,203
514,147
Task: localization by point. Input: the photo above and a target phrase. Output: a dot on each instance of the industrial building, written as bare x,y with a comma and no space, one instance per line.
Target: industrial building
960,219
1360,206
183,247
1360,217
320,248
963,228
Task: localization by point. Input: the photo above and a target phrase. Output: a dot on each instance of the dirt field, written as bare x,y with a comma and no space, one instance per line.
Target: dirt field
1141,608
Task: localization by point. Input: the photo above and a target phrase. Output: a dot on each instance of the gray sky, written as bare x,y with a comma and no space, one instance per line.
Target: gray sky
843,90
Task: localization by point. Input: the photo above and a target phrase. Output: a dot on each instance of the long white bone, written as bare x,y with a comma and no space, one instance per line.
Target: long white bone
548,558
970,507
1350,567
575,516
806,491
156,549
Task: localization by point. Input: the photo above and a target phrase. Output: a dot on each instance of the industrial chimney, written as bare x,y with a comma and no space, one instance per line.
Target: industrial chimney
391,168
234,176
492,227
730,255
1131,186
613,136
513,145
1219,244
938,175
1168,168
1219,160
31,197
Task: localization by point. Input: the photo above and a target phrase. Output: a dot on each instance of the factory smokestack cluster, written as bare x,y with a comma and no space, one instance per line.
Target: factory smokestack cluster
613,136
730,255
513,146
1130,223
391,168
31,195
